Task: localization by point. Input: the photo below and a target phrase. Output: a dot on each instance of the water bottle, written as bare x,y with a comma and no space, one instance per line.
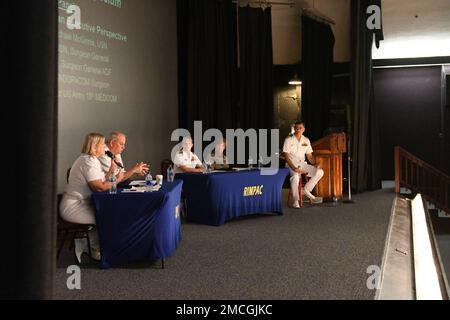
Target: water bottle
250,163
112,184
170,174
260,163
148,181
206,167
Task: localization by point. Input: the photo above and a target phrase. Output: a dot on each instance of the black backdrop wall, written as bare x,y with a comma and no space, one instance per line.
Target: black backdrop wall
256,68
207,63
365,149
408,101
317,70
28,229
214,86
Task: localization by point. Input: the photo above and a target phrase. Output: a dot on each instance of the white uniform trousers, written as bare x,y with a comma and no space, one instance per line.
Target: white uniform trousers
314,174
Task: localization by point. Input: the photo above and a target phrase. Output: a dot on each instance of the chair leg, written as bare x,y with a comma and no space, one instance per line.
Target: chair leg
89,247
74,252
61,245
183,209
81,235
289,199
162,263
71,236
72,243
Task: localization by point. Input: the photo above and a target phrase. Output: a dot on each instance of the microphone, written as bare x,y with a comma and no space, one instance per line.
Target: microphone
109,154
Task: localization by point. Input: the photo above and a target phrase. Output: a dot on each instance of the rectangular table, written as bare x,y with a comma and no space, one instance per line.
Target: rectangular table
138,226
215,198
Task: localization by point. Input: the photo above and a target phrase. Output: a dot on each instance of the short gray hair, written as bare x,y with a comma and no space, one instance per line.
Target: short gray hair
114,136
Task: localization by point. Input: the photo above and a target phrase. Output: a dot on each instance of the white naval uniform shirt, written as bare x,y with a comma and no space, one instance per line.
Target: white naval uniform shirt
106,162
85,169
76,205
186,159
297,149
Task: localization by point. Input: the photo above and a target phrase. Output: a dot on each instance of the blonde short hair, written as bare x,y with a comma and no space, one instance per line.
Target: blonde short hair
91,142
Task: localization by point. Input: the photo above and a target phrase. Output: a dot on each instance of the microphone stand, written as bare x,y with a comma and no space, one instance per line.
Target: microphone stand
349,182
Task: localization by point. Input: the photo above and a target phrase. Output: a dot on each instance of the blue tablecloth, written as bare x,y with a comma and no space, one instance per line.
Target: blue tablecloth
215,198
138,226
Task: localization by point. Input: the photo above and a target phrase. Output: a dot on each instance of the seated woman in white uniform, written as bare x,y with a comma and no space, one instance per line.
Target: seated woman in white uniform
185,160
86,176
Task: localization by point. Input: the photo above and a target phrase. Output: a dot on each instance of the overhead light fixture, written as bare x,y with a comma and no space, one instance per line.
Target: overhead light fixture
295,81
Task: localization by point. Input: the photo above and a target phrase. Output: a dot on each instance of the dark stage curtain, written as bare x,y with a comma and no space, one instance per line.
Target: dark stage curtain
317,71
29,224
256,68
207,63
365,149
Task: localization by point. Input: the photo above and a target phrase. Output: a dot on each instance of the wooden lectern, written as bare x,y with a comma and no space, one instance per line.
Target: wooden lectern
328,153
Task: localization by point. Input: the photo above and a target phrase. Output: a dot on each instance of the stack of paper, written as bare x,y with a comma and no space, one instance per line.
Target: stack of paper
136,188
137,183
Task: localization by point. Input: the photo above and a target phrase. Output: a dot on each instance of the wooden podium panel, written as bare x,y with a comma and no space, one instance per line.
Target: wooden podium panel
328,153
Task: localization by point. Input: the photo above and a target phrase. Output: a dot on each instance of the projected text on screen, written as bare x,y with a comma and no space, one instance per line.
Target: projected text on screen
89,48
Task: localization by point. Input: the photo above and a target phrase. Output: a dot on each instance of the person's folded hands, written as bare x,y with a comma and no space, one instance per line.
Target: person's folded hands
140,168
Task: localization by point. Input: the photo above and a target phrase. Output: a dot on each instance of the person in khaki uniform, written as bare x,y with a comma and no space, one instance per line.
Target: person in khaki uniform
296,149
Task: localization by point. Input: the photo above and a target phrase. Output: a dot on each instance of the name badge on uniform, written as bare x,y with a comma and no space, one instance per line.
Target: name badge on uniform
304,144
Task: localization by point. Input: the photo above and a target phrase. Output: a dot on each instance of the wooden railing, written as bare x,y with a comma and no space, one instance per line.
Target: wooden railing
420,177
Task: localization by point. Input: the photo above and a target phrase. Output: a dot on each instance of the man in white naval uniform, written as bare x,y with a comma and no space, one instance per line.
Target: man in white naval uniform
185,160
116,145
294,150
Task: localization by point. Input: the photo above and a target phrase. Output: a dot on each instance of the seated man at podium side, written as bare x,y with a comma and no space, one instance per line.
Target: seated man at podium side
294,150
